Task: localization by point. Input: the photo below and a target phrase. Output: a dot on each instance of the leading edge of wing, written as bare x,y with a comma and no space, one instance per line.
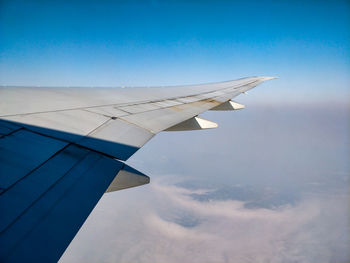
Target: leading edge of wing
15,100
119,131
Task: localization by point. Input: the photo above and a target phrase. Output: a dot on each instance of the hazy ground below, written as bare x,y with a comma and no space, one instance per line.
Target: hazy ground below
271,184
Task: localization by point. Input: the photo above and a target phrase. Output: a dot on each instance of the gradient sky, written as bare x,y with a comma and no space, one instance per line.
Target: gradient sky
114,43
291,143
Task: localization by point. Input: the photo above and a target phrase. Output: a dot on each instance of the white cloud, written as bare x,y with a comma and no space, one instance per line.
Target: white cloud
145,228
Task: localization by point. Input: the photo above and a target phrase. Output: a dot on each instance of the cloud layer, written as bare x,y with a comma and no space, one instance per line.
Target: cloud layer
164,223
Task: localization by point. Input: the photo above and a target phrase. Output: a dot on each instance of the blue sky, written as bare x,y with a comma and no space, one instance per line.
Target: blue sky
85,43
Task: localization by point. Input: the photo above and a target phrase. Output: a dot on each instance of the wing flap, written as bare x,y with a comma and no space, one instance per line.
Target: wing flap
40,224
21,152
7,128
21,195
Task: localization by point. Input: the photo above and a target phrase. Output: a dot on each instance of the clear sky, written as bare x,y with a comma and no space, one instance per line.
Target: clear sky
113,43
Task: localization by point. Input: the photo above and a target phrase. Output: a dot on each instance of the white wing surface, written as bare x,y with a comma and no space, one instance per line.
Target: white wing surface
62,148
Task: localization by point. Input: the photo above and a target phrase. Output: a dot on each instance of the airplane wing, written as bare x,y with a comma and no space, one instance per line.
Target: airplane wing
61,149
